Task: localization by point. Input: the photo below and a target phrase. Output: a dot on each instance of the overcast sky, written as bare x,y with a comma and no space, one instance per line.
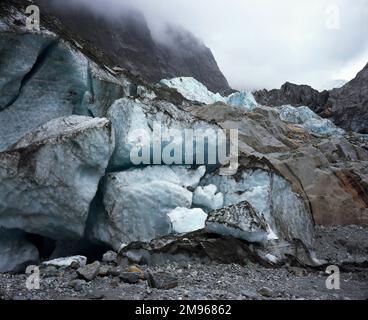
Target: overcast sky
264,43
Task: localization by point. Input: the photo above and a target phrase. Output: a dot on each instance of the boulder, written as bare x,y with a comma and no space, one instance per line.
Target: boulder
89,271
16,252
49,178
109,256
162,280
130,277
239,221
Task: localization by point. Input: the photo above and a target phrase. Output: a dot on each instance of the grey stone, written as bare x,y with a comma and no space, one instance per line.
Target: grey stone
130,277
249,294
265,292
90,271
110,256
240,221
77,284
162,280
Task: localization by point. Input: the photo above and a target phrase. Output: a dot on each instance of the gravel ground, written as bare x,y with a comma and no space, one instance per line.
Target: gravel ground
216,281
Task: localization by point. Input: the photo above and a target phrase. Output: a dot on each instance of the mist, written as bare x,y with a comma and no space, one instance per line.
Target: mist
264,43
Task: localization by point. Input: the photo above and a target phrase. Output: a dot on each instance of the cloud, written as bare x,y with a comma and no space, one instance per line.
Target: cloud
263,43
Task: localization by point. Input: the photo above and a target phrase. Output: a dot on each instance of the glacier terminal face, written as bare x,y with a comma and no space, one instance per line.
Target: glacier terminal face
68,126
49,178
136,203
138,123
42,65
70,83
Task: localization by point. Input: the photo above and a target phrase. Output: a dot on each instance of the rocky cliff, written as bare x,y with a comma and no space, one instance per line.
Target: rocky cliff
347,106
128,42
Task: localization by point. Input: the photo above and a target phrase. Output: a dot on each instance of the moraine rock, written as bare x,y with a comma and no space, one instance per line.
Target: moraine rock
204,247
162,280
16,253
348,106
109,256
77,284
293,94
49,178
136,202
239,221
89,271
130,277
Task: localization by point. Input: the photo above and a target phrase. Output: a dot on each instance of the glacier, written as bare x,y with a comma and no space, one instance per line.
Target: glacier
50,177
271,197
136,202
137,123
206,197
67,125
193,90
307,119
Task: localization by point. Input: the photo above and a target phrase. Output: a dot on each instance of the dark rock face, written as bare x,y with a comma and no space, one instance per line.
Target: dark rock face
186,56
347,106
127,41
204,247
290,93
